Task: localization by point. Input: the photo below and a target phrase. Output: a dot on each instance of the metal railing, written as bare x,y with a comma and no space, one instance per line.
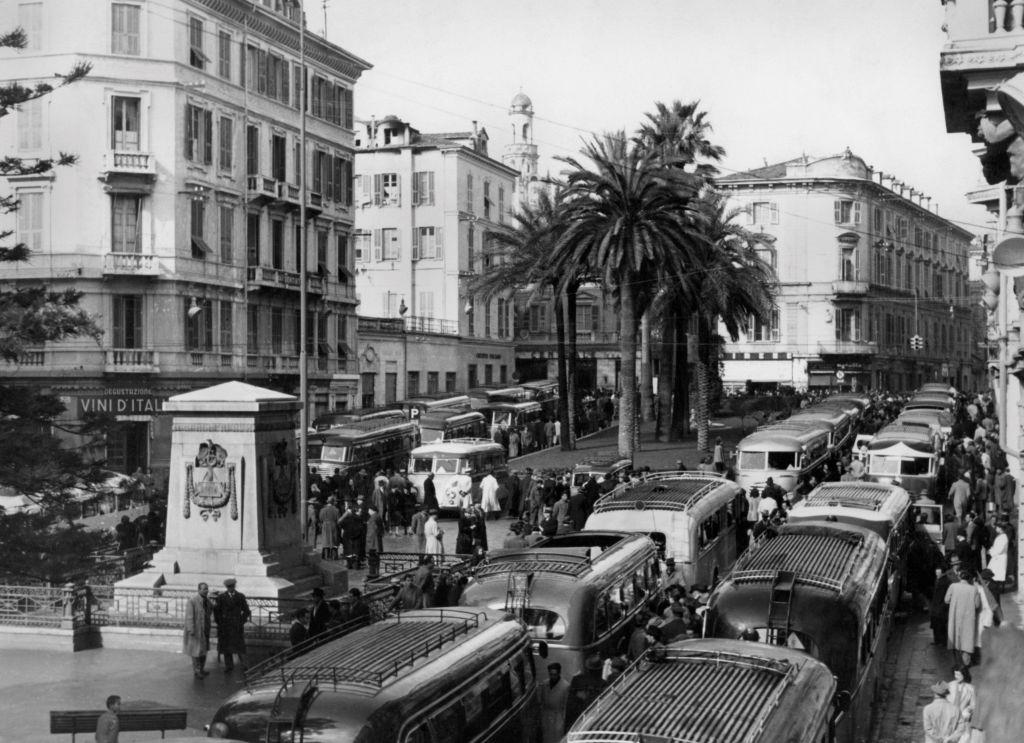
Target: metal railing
434,325
131,264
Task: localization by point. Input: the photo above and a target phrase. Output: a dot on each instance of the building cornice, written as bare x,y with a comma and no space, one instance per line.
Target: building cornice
285,32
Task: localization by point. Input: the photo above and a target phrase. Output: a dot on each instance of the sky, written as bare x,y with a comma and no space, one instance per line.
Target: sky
778,78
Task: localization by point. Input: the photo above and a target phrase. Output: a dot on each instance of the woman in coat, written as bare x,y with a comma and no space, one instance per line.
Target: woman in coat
997,556
329,516
962,624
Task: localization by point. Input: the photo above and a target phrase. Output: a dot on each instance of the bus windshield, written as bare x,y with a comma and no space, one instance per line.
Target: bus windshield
326,452
448,466
502,418
879,465
751,460
915,466
781,460
544,624
422,464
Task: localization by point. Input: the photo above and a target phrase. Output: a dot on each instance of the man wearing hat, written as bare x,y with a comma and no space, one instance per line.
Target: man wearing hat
940,716
554,693
197,630
677,626
960,496
231,612
584,688
938,610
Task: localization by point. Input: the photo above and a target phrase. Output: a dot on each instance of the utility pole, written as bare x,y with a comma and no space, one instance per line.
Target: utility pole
303,286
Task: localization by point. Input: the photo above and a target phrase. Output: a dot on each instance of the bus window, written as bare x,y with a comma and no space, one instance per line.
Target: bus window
486,701
639,585
780,460
446,466
515,668
916,466
752,460
884,465
544,624
422,464
615,607
601,622
447,725
626,592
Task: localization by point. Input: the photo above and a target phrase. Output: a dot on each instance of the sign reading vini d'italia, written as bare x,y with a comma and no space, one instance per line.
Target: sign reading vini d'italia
122,402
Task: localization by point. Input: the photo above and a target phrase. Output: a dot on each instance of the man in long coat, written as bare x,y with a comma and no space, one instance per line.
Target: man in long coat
374,540
231,612
197,630
352,530
553,695
962,625
329,516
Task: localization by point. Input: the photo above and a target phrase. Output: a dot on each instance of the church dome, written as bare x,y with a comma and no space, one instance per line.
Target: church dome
521,100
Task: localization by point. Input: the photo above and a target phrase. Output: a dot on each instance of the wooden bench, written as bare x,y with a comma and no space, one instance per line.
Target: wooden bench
132,719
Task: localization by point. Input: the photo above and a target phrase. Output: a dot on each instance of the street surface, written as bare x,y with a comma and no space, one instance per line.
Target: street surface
32,682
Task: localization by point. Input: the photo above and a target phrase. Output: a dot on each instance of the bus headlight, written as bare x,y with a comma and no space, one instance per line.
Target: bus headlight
218,730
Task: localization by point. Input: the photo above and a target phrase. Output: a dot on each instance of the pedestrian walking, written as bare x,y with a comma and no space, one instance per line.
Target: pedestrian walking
231,612
320,614
298,633
108,725
718,456
374,540
329,516
554,693
430,493
197,630
961,628
419,523
433,536
584,688
489,496
997,560
940,716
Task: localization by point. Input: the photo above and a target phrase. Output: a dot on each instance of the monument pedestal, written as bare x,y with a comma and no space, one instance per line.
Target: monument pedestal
232,502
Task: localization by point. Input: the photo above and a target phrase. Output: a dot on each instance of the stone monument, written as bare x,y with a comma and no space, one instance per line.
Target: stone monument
232,501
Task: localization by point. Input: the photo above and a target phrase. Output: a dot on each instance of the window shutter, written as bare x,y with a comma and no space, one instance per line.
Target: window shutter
416,189
137,325
366,196
188,133
430,188
208,131
416,236
775,212
595,319
398,190
377,244
856,212
397,240
376,189
438,240
119,338
839,212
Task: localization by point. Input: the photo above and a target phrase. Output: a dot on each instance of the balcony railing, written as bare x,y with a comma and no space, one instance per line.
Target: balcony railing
129,163
983,19
35,357
380,325
416,324
131,360
130,264
274,278
848,348
260,188
848,288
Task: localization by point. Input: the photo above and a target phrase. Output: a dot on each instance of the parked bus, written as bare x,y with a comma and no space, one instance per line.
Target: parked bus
822,588
577,593
602,466
937,387
458,466
541,389
444,424
511,414
342,418
423,676
904,455
709,691
932,400
370,444
941,420
838,421
692,514
480,396
781,452
414,407
883,509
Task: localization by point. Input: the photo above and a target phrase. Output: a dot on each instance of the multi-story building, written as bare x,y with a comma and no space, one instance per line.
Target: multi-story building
180,221
864,266
425,205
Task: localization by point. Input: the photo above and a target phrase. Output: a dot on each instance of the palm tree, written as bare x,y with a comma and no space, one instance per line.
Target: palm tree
630,220
679,134
521,256
736,285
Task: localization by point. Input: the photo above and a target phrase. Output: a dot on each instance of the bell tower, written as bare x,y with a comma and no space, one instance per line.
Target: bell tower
522,153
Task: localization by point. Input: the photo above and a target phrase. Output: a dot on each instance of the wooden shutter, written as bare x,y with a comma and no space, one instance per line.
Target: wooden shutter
208,131
376,189
377,244
430,187
136,304
416,234
416,188
838,206
856,212
438,241
119,318
397,241
365,197
189,133
398,190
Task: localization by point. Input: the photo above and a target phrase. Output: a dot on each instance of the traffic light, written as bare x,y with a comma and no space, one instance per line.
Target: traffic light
916,343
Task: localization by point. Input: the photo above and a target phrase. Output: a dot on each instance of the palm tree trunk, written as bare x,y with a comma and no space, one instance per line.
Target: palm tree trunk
704,356
563,384
667,377
627,351
681,403
569,432
646,370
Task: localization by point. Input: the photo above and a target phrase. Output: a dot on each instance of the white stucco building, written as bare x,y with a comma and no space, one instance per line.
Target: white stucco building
180,221
864,265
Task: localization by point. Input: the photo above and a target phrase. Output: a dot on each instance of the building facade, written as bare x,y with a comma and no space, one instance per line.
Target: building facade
873,284
180,221
425,205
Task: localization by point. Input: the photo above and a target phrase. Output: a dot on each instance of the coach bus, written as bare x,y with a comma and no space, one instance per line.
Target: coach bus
691,513
422,676
511,414
458,466
837,419
707,691
904,455
443,424
577,593
370,444
782,452
822,588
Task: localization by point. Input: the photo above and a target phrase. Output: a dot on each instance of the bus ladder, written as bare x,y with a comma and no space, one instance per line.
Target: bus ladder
781,601
517,593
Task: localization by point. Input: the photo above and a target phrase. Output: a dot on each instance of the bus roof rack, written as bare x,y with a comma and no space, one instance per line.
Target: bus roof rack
824,560
365,426
536,561
866,495
674,491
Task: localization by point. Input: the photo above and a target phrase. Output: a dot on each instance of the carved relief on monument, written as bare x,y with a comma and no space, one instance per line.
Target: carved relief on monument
278,480
216,489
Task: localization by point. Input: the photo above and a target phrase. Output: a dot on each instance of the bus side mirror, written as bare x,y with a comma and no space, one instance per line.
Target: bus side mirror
542,649
841,701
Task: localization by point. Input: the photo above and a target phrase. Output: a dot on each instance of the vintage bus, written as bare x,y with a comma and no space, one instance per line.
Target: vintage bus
443,424
414,407
863,402
941,420
511,414
370,444
690,513
883,509
480,396
342,418
838,420
458,466
904,455
822,588
603,467
577,593
937,387
932,400
427,676
710,691
782,452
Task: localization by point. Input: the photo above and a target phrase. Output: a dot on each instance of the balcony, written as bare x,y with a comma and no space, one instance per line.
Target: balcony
316,283
273,278
131,361
314,203
849,288
130,264
288,194
31,357
847,348
390,325
260,190
128,168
